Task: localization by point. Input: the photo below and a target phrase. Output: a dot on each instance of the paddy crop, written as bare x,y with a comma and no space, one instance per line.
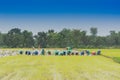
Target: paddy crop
23,67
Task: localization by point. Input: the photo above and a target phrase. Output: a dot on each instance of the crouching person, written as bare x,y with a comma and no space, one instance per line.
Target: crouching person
49,52
35,52
76,53
61,53
28,53
68,52
64,53
98,52
93,53
21,52
42,52
87,52
82,53
72,53
56,53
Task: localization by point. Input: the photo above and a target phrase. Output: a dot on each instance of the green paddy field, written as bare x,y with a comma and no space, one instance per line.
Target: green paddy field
23,67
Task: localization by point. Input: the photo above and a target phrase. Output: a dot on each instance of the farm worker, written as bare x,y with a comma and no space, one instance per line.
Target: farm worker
98,52
76,53
87,52
56,52
69,48
43,52
72,53
49,52
82,53
64,52
28,53
93,53
36,52
61,53
68,52
33,52
21,52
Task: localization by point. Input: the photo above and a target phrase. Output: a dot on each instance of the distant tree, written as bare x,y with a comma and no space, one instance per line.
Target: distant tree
65,38
84,38
13,38
101,41
114,39
76,37
28,40
93,31
14,31
50,31
93,39
52,39
41,39
119,38
1,39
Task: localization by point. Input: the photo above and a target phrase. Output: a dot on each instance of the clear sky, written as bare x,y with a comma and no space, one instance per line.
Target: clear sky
41,15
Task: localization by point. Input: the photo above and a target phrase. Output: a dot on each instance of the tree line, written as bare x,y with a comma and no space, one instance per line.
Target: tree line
76,38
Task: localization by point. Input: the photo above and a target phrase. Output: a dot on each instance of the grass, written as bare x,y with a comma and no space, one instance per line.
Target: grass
24,67
116,59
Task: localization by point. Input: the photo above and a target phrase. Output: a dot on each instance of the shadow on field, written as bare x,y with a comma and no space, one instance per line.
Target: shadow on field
106,56
115,59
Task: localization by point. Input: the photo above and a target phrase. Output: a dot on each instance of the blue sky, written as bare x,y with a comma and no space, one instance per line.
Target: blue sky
41,15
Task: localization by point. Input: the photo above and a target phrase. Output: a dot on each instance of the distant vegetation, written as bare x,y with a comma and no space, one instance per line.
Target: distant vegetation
15,38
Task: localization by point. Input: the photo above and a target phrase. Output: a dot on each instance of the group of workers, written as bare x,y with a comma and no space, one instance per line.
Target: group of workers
66,52
69,51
